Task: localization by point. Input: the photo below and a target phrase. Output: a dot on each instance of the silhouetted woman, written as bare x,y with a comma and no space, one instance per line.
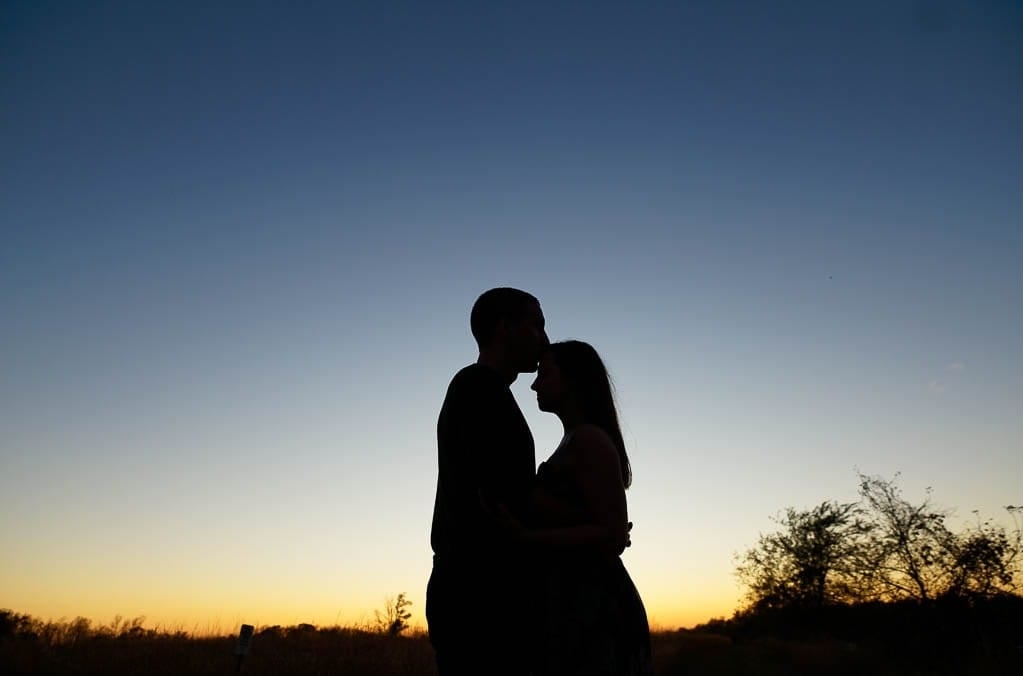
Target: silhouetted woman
591,618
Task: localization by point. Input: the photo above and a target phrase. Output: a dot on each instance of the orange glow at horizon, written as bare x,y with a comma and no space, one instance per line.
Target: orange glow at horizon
219,615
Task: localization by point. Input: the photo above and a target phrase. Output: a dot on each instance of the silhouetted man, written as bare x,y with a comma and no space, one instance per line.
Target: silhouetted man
477,600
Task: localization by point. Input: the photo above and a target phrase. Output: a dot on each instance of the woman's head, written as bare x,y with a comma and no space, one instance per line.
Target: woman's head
572,377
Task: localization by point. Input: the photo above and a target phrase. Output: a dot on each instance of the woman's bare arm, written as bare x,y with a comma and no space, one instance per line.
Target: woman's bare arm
547,510
596,468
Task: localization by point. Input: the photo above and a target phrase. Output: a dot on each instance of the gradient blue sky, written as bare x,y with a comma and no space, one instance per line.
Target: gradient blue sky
240,243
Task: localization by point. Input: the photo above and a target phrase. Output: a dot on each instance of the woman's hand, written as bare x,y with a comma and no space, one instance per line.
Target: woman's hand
624,540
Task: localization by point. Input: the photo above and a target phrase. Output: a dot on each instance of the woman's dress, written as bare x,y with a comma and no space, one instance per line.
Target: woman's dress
592,618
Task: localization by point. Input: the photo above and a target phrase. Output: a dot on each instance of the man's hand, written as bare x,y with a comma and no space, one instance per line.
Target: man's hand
502,518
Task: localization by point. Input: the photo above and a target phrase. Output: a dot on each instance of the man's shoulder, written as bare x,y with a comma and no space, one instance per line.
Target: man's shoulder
474,377
472,389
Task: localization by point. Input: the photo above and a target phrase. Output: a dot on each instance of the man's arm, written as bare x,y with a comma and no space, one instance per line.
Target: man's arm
477,430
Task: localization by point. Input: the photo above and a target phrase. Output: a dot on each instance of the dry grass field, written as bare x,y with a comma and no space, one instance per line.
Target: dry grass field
30,646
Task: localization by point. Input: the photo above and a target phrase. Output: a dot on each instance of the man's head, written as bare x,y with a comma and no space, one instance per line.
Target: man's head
509,323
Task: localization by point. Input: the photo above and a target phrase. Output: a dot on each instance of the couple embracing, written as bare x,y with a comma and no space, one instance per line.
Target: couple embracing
527,576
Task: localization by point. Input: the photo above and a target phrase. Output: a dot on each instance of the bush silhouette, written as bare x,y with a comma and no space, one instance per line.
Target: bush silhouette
883,548
395,616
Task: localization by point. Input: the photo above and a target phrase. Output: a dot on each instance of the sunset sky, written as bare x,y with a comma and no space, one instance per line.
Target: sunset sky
239,244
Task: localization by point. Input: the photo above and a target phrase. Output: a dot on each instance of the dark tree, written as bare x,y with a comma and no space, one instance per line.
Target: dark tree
986,558
883,548
909,552
812,560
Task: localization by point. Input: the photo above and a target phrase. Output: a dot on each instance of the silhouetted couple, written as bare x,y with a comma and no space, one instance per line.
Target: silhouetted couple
527,575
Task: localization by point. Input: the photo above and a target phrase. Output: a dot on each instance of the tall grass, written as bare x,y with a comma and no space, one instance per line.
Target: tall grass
127,647
32,646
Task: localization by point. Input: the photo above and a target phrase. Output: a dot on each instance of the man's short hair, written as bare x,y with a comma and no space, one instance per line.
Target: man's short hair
494,305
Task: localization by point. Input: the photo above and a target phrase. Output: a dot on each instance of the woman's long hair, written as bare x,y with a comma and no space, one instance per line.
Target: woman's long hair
585,372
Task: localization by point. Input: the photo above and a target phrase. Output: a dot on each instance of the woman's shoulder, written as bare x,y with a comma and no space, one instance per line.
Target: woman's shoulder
591,440
590,433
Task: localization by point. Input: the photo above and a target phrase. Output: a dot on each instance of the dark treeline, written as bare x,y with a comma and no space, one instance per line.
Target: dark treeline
889,577
882,548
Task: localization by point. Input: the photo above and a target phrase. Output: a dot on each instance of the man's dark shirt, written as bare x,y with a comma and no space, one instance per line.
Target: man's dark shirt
483,446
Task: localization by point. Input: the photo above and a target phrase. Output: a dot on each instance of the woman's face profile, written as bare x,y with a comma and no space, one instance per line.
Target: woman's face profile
549,386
